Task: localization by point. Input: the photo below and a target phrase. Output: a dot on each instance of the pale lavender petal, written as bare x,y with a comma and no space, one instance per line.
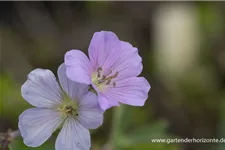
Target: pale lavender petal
90,113
129,63
78,66
41,89
131,91
104,50
73,136
106,101
73,89
37,125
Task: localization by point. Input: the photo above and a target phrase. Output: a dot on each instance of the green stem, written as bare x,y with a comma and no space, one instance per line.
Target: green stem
116,126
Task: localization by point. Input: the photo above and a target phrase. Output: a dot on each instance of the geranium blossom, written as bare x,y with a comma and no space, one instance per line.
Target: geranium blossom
75,110
112,69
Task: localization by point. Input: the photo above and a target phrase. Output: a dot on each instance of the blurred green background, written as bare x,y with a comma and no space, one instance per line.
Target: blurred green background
183,49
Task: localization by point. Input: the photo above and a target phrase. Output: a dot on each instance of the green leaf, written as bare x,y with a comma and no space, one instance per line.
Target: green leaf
18,144
143,134
11,97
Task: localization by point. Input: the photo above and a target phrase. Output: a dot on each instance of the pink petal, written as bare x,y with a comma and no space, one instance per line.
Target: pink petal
107,101
104,50
77,66
129,63
131,91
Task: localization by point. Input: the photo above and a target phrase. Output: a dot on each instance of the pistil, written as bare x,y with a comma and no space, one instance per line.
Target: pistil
68,108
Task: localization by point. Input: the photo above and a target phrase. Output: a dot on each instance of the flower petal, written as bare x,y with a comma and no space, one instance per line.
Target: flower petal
104,50
77,66
129,64
131,91
106,102
90,113
73,136
74,89
37,125
41,89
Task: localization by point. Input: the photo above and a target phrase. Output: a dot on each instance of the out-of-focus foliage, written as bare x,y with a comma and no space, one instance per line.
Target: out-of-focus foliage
18,144
12,104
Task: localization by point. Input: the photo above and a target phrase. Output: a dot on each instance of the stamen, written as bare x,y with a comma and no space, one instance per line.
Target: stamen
114,84
103,77
115,75
99,72
68,110
99,69
108,82
101,81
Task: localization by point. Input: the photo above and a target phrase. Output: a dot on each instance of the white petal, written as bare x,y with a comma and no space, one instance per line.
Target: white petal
90,113
74,89
73,136
41,89
37,125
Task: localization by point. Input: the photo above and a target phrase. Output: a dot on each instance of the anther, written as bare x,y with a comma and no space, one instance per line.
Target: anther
108,82
114,84
115,75
99,69
103,77
99,72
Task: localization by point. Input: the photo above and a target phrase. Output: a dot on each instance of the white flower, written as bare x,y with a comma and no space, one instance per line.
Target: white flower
76,110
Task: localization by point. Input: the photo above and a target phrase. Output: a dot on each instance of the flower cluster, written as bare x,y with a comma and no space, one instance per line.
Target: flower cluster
111,70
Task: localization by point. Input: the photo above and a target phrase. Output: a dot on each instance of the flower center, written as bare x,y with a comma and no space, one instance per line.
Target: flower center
68,108
99,79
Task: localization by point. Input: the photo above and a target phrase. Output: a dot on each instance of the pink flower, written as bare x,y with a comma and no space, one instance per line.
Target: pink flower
112,70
